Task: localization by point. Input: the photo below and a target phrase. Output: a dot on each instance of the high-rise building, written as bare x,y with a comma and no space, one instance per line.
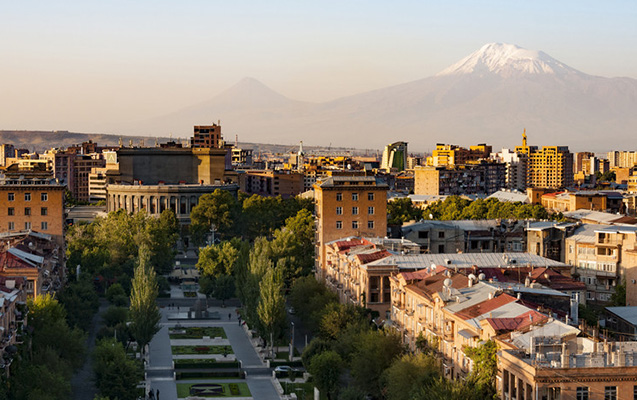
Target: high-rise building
395,157
348,206
516,165
6,151
549,167
207,136
479,178
622,159
450,154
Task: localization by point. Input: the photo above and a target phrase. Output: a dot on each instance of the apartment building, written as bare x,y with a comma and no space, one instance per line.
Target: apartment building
548,167
622,159
272,183
466,236
481,178
6,151
348,206
449,154
572,201
207,136
394,157
31,202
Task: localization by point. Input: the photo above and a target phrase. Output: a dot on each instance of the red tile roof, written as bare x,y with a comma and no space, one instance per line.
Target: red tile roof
484,307
511,324
369,257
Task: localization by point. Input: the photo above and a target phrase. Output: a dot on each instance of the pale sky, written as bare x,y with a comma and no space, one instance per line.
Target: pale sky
83,65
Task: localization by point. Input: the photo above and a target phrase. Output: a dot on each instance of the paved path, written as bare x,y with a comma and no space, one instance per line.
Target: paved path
83,382
259,377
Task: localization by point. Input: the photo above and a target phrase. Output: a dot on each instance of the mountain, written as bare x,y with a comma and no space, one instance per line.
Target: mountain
489,96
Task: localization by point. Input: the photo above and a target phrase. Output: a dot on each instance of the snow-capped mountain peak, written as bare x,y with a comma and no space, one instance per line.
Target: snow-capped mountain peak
507,60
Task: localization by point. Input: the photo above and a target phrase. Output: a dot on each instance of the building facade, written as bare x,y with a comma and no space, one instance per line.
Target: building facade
348,206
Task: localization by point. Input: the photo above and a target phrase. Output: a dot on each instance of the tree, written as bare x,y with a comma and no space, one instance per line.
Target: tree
408,374
314,348
337,317
80,301
310,298
326,369
618,298
219,208
217,260
116,376
485,368
446,389
224,288
144,314
271,308
377,350
401,210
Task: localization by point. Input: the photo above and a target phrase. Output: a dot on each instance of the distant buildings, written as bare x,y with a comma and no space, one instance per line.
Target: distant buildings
395,157
479,178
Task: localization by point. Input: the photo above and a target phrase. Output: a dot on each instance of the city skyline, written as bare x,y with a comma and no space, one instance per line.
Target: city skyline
85,67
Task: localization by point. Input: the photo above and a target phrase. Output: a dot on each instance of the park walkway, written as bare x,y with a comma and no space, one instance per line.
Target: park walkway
160,372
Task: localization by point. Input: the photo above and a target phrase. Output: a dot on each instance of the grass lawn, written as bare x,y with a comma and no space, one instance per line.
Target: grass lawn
201,349
305,390
183,390
197,332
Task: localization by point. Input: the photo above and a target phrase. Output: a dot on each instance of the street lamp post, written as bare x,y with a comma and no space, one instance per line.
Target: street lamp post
292,343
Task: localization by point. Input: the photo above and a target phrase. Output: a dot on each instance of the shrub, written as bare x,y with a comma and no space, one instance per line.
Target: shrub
234,389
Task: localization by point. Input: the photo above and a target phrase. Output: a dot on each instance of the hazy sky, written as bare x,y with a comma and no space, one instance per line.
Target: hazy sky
83,65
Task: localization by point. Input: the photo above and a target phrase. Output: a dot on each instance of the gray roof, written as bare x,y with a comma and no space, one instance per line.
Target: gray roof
628,314
541,225
509,196
618,229
467,260
466,225
597,216
585,233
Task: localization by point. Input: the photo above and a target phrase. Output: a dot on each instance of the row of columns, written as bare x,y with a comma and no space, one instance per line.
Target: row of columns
181,205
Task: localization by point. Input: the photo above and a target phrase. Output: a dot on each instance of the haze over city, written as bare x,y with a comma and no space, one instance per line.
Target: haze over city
107,67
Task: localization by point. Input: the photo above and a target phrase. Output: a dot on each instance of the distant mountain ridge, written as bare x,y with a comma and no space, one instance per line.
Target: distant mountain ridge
489,96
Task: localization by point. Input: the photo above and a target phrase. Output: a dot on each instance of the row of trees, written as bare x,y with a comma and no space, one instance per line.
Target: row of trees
247,217
350,343
109,246
43,367
456,208
262,272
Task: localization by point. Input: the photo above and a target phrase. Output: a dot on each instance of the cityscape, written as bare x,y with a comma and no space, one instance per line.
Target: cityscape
455,225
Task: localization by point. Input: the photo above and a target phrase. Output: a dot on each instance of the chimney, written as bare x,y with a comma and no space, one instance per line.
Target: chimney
565,357
519,295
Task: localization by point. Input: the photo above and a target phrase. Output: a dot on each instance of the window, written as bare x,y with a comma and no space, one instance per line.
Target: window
354,210
441,235
10,211
44,211
581,393
11,196
370,210
634,392
27,225
11,226
423,234
354,224
339,196
339,210
339,224
44,225
354,196
27,210
370,196
610,393
441,248
27,197
370,224
44,196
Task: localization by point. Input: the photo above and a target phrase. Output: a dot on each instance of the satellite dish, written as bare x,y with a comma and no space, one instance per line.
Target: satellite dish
482,277
447,282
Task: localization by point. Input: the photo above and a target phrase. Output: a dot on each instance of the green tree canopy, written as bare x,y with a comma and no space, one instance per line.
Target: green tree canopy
408,374
144,314
402,210
116,376
271,308
218,259
376,351
219,208
326,369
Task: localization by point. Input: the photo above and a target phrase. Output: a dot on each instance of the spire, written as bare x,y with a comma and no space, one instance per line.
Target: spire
524,138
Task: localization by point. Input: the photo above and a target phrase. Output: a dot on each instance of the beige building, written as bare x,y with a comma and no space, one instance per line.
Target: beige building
572,201
348,206
154,199
548,167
